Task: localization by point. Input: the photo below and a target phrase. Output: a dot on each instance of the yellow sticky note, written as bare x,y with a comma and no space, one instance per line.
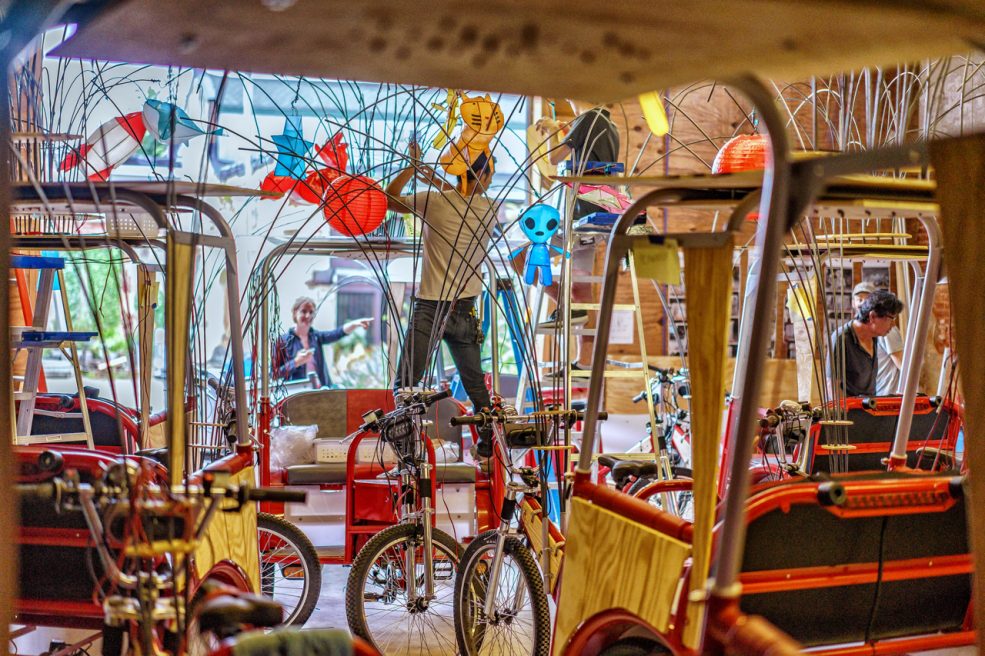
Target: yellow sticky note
659,262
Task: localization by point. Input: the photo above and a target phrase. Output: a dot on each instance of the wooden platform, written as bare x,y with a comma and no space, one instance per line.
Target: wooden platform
556,48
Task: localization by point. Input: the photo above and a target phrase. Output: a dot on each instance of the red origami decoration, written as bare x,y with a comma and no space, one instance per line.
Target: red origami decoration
354,205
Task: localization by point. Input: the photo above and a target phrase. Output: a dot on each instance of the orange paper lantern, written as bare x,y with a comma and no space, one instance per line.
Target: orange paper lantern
354,204
746,152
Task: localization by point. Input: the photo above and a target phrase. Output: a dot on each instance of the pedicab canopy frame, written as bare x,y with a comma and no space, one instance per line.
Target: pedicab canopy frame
225,540
789,187
527,48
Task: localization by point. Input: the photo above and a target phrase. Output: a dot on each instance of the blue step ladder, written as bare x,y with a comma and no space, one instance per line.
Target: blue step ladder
35,339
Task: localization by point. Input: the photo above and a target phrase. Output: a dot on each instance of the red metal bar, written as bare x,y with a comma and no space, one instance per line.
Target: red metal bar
876,496
902,645
599,631
632,509
782,580
731,631
263,437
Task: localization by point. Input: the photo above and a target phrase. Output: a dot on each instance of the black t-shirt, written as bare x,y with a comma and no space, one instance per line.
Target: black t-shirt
860,367
592,138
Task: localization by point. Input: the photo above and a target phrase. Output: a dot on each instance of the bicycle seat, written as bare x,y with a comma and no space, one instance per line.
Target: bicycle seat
608,461
159,454
292,642
226,614
623,470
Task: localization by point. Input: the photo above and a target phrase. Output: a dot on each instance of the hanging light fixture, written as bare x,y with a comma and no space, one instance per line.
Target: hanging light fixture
654,113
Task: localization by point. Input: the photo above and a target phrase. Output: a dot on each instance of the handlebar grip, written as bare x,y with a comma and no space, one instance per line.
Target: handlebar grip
601,416
37,491
434,398
277,495
467,420
639,397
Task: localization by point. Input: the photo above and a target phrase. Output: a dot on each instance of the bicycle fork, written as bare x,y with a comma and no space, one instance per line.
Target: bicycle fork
424,489
496,565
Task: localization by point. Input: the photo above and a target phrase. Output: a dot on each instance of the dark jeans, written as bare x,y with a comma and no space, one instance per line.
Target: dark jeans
462,334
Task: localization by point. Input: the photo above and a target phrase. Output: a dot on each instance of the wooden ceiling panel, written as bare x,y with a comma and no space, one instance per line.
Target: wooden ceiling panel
561,48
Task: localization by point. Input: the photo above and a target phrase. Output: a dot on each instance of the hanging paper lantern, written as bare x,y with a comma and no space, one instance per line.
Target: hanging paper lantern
746,152
354,205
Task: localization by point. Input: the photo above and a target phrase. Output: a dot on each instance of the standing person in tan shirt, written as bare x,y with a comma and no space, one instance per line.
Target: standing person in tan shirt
458,225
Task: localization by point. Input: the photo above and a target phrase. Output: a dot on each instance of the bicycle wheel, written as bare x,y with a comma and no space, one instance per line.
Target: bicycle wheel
682,500
521,622
290,572
376,600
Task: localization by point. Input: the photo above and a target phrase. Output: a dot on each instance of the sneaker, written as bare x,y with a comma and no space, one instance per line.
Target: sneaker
578,318
577,366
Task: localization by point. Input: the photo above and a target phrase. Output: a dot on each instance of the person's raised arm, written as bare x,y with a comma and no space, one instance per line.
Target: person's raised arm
416,168
557,150
394,188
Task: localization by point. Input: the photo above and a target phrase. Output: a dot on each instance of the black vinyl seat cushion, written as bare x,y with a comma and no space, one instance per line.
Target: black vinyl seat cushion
333,473
808,535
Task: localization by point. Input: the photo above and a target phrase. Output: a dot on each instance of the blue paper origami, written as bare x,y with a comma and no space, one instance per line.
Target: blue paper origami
293,152
168,122
539,222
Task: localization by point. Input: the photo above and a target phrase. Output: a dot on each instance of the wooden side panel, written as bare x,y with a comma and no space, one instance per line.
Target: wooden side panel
233,536
960,166
779,383
708,276
611,562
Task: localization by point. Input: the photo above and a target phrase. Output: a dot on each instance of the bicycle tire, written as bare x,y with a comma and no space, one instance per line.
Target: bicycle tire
470,587
382,559
280,584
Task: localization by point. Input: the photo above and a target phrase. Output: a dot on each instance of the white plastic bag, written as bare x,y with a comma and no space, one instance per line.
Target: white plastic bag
292,445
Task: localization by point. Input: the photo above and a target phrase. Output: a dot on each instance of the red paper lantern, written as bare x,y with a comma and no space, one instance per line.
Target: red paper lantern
746,152
354,204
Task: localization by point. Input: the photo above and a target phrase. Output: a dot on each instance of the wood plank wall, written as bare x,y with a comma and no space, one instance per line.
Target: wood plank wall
707,117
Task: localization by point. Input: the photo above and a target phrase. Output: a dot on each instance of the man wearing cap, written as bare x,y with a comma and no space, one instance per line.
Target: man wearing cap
458,224
890,356
853,362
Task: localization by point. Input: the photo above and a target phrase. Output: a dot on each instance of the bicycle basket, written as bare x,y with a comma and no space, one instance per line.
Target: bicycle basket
524,436
400,434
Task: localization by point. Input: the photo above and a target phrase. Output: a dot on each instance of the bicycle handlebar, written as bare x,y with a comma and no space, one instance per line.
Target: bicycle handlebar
276,494
37,491
482,418
431,399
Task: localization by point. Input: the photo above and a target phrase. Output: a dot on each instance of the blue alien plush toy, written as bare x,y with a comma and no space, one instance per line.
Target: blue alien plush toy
539,222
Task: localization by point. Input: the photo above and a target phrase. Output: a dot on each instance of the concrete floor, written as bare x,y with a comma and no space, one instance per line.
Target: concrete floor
434,634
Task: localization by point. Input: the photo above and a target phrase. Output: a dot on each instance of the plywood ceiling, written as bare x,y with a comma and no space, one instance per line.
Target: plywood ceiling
588,49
